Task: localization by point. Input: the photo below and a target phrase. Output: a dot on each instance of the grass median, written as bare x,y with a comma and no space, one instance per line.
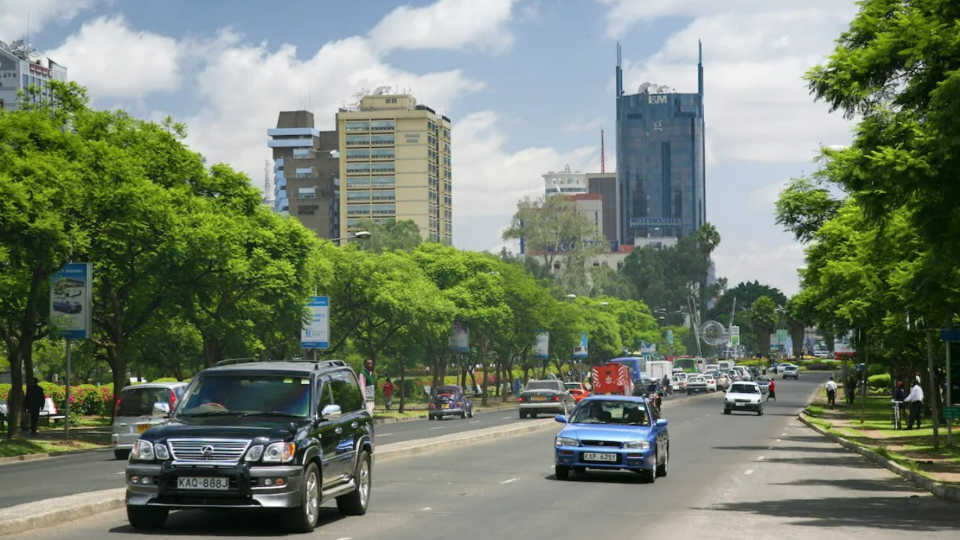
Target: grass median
912,449
24,447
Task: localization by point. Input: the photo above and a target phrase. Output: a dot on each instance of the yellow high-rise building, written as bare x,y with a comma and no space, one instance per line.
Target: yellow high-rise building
395,164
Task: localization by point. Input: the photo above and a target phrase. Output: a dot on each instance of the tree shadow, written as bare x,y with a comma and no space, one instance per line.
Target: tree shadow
846,461
811,449
602,477
887,484
227,523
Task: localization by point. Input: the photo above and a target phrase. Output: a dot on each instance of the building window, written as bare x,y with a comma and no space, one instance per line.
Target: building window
358,140
383,153
356,209
307,193
358,154
446,135
358,195
301,153
384,208
304,172
391,100
384,167
358,167
384,194
379,181
358,182
382,125
358,126
381,140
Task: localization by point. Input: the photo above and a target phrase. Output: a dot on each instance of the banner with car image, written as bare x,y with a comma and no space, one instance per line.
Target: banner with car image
71,292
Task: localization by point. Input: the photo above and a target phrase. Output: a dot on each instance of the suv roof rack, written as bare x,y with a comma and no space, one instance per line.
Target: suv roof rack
331,363
231,361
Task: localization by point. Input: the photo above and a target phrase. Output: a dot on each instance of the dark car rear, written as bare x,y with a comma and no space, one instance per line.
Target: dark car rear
540,397
449,401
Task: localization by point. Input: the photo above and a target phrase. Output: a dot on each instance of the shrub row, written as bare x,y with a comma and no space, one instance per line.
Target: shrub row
87,399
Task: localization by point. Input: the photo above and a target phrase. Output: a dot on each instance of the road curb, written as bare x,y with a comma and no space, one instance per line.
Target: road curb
40,514
38,457
919,480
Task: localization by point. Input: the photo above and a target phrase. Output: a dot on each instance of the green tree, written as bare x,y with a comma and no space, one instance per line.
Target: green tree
548,226
803,207
763,320
403,235
708,238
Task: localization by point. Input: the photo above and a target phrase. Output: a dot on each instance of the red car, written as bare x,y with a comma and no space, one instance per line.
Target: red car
577,390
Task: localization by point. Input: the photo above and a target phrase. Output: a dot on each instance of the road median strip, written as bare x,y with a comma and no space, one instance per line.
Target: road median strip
49,512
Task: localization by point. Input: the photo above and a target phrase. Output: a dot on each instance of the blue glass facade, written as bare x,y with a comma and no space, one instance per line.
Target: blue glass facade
660,161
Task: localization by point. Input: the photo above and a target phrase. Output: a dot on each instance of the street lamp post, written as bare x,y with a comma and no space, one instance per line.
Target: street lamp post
359,235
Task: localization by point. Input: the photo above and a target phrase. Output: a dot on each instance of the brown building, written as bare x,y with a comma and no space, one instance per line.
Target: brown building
307,170
605,184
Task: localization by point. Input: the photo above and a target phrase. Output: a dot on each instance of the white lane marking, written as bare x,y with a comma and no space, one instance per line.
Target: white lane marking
384,434
510,481
344,538
438,427
706,415
783,434
506,417
749,472
760,458
474,422
426,509
779,440
122,472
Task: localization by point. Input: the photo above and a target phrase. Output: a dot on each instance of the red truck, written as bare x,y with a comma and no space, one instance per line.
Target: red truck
612,379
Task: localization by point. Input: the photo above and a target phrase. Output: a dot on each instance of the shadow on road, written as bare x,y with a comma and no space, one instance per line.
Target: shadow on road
916,514
233,523
846,461
812,449
888,485
600,477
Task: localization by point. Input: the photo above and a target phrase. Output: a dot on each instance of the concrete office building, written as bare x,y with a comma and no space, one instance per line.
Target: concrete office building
565,182
605,185
660,160
21,67
396,162
306,172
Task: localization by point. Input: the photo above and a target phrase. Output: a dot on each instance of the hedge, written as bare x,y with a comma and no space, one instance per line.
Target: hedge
880,382
86,398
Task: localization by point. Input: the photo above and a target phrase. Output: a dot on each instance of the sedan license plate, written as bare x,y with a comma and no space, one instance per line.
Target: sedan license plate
142,427
539,398
590,456
189,482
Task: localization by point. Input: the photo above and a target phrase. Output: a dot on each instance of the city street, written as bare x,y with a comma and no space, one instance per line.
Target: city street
32,481
734,477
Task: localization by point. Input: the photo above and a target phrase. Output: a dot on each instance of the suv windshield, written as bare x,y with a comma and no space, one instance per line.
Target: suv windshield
612,412
744,389
542,385
248,395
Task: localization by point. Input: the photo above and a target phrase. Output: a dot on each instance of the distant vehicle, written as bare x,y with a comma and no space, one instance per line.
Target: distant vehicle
710,368
711,382
134,413
791,372
638,366
723,380
744,373
695,384
659,369
645,387
450,400
764,383
743,396
688,365
612,379
679,381
613,433
726,365
577,390
540,397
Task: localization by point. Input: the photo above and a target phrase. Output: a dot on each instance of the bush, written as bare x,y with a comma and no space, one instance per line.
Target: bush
880,382
85,399
166,379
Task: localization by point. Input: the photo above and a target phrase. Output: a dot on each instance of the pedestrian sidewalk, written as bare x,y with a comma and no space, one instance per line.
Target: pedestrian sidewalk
912,449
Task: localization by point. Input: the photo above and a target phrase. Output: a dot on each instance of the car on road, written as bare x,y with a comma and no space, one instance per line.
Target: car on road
577,390
696,384
541,397
679,381
134,413
764,383
450,400
279,436
645,387
743,396
790,372
613,433
723,380
711,382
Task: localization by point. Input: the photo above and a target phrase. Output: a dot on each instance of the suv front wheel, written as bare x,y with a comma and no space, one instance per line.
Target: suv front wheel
355,503
303,518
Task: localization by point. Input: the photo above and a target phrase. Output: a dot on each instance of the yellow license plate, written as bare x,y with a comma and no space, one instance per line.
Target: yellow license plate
446,405
539,398
142,427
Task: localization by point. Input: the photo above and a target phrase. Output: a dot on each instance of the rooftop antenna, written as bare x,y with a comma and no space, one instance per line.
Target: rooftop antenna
603,166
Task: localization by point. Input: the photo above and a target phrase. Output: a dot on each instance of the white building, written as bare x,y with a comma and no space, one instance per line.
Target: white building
565,182
22,67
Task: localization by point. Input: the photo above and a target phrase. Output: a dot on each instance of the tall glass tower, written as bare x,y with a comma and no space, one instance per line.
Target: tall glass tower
661,173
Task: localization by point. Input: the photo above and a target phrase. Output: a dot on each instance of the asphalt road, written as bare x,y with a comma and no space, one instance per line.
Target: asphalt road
33,481
731,477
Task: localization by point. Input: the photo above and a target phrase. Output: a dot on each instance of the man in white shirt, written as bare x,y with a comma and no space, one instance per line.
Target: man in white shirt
831,392
915,399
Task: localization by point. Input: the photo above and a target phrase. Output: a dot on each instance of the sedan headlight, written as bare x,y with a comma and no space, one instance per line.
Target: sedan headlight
637,445
143,451
279,452
567,441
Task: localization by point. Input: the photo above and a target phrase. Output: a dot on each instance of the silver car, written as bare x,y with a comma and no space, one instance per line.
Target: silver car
136,412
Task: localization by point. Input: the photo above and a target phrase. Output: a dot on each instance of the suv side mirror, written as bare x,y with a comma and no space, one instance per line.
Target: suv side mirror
330,412
161,409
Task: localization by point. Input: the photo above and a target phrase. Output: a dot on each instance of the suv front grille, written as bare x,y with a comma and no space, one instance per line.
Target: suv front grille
208,450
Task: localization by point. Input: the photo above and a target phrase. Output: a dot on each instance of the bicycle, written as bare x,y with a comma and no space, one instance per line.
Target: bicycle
896,414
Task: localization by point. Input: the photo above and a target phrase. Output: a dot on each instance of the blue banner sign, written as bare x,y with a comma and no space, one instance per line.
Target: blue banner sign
71,295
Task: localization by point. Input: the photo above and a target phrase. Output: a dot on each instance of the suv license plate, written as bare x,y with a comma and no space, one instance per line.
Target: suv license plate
189,482
599,457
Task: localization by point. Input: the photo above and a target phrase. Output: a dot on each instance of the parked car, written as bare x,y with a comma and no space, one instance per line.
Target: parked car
791,372
695,384
743,396
577,390
135,412
540,397
613,433
279,436
450,400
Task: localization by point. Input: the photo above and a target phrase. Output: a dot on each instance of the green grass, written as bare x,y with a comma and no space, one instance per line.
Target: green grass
92,421
23,447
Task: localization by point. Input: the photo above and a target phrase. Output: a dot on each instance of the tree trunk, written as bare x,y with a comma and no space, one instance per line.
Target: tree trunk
212,350
15,399
483,360
402,384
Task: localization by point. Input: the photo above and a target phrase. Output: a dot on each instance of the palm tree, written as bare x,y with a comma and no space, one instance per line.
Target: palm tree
708,238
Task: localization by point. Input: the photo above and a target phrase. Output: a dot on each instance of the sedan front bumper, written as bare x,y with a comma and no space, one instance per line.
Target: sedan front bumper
626,459
743,406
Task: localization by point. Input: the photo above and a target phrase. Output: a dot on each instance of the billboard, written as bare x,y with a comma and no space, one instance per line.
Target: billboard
460,338
316,329
669,336
541,348
653,222
581,350
71,294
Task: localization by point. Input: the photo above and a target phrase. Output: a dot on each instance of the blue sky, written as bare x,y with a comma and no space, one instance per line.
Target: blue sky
527,84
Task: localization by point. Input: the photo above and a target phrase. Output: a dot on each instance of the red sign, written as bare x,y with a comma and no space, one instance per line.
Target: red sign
35,68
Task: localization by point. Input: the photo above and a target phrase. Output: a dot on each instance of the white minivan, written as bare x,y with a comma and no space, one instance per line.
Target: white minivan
140,408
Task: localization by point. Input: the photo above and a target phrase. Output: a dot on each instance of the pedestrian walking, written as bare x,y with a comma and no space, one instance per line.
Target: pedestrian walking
388,393
517,386
33,403
915,399
850,390
831,392
773,390
368,383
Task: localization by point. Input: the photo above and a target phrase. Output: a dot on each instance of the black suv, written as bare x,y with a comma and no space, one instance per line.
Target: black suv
257,435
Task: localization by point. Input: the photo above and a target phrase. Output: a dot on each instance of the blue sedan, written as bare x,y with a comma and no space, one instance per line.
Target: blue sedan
613,433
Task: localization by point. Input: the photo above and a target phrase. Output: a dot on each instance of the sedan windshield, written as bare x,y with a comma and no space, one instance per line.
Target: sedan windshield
629,413
745,389
248,395
573,386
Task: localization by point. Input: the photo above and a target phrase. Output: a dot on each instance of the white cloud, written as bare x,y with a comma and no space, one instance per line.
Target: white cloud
581,124
771,264
17,15
448,24
766,197
114,61
757,106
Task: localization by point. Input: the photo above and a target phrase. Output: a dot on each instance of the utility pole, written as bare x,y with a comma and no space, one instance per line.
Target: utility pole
934,417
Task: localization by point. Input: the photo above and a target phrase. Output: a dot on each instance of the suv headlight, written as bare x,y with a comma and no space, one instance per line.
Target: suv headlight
637,445
254,453
143,451
279,452
567,441
161,451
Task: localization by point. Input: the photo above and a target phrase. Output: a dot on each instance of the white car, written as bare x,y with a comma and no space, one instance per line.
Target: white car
711,368
140,408
790,372
723,381
743,396
711,382
696,383
678,382
744,373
